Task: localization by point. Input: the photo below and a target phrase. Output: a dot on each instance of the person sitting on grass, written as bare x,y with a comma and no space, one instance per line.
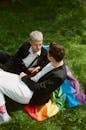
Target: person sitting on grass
30,58
35,90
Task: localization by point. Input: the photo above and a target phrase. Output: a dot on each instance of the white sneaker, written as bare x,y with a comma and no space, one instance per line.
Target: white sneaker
4,118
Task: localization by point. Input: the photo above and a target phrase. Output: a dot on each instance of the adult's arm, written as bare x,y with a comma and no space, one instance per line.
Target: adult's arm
49,84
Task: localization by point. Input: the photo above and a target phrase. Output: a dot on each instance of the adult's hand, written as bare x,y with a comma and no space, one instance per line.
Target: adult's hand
34,69
22,74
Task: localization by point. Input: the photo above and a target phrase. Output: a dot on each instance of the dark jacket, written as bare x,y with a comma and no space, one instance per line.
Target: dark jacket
15,63
46,85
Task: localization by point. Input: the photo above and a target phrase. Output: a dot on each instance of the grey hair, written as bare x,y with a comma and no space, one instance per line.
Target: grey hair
36,36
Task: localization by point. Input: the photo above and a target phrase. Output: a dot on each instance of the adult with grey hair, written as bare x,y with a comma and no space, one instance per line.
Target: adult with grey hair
36,90
30,58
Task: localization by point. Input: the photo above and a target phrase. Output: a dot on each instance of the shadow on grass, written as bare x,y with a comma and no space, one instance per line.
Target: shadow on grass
12,105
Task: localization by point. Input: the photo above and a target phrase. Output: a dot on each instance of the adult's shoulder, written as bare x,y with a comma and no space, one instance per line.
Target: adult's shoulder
60,72
25,46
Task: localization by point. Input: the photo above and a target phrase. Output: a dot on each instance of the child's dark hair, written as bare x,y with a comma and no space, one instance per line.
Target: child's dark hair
56,51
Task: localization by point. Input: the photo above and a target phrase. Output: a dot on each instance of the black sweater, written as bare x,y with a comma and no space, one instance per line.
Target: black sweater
15,63
45,85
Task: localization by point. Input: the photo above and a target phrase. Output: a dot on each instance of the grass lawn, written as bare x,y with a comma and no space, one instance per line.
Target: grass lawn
62,22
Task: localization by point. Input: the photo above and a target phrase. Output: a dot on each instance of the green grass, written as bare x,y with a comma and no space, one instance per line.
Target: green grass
63,22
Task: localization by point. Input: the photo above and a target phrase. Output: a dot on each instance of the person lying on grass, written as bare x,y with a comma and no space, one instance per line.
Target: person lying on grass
36,90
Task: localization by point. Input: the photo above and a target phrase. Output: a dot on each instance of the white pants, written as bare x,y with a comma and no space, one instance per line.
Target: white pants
12,86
